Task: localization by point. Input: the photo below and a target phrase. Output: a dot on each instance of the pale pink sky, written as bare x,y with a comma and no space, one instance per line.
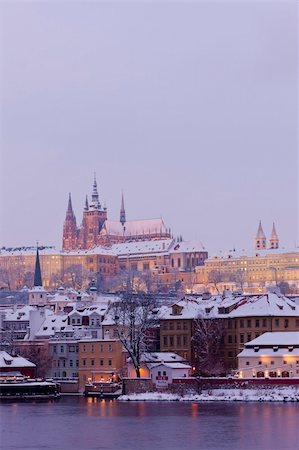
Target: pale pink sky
189,107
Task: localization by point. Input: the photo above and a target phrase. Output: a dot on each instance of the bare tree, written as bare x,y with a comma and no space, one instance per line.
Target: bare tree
207,342
215,277
239,277
134,319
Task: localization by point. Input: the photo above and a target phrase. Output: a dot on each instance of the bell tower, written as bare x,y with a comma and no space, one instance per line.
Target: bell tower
260,238
274,240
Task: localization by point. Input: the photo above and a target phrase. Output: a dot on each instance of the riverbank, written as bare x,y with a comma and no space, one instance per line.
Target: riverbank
283,394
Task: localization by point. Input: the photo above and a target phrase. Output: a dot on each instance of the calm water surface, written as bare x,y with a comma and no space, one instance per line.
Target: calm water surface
78,423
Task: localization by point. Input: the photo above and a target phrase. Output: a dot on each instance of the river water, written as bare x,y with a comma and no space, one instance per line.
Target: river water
79,423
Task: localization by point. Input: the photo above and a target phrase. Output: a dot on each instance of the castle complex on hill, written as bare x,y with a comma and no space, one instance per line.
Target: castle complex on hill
96,229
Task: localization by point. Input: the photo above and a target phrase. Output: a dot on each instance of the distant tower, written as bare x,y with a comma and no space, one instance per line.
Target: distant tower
274,241
37,295
69,241
260,238
94,217
122,218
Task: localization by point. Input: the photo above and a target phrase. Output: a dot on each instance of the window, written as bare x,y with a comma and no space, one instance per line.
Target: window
165,341
171,325
229,325
185,325
101,348
84,348
241,323
178,325
264,323
277,322
92,348
286,323
170,341
165,325
55,349
272,363
257,323
178,341
185,340
164,373
248,337
248,323
84,362
260,363
92,362
242,338
101,362
71,363
110,348
297,322
230,339
77,362
78,320
247,363
109,362
230,354
61,349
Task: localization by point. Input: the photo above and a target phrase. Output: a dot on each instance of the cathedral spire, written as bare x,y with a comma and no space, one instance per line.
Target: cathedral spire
274,240
95,195
37,273
69,205
122,218
260,238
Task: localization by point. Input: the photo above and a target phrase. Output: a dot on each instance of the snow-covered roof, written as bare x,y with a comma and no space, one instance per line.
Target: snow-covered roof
158,357
142,247
20,314
30,251
175,365
187,247
9,361
252,253
134,227
279,338
52,324
270,304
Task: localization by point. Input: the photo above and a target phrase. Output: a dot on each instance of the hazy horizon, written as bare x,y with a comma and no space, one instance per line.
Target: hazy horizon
190,109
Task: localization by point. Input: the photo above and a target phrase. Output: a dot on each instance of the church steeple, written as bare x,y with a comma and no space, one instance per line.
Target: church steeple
274,240
260,238
122,218
37,272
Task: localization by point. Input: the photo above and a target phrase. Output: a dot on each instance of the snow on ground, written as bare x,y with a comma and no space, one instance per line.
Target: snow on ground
283,394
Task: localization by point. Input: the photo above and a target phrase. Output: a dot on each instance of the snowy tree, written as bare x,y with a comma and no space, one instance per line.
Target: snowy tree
134,319
207,343
215,278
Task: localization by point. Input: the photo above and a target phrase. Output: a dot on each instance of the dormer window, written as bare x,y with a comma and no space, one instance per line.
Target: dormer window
290,348
275,348
256,348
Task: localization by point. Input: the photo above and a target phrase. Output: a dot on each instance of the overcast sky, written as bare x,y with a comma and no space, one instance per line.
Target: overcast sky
188,107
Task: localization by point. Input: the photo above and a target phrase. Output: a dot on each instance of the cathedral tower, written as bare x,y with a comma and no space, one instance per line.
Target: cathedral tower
94,216
260,238
69,228
274,241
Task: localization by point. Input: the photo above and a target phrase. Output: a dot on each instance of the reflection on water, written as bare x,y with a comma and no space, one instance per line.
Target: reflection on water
78,423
